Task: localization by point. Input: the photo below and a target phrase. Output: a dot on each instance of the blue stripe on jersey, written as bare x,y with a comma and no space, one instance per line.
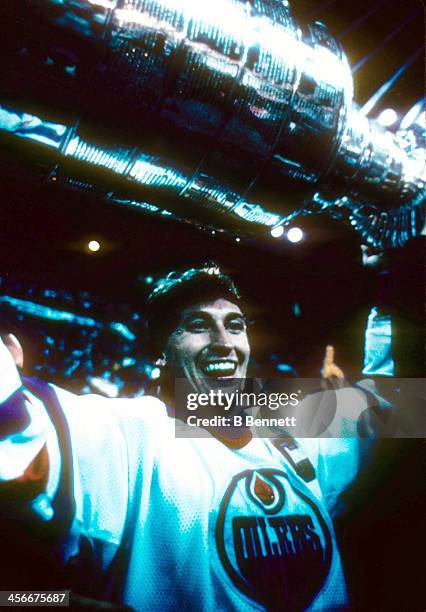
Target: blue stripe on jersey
14,416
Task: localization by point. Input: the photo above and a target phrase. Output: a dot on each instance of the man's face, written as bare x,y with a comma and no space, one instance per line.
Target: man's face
209,344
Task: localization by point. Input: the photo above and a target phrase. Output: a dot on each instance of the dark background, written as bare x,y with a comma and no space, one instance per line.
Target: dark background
44,230
43,235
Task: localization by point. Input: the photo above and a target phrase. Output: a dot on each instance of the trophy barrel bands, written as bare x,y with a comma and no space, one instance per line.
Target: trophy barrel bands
227,114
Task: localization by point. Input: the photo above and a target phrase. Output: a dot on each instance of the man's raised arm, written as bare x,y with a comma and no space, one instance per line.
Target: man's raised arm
29,453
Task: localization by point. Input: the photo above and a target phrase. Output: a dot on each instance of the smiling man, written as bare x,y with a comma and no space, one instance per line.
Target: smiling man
157,521
210,342
205,341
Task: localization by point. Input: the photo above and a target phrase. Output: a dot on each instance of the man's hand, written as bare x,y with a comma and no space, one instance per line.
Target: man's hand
330,372
11,358
11,344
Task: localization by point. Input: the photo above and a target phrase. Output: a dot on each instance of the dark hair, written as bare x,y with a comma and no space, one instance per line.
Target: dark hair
178,290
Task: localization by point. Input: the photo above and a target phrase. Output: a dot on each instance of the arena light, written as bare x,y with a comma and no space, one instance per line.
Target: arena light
295,235
277,232
387,117
155,373
93,246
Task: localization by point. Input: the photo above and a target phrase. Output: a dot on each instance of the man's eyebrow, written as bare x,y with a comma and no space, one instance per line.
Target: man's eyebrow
195,313
207,315
235,315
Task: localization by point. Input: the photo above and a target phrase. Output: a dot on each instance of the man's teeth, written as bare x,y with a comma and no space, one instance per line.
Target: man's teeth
221,366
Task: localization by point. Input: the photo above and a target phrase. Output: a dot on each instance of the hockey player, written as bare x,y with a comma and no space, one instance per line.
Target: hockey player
156,521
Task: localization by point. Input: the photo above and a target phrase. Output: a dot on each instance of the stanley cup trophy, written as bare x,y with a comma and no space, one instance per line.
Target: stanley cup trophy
227,114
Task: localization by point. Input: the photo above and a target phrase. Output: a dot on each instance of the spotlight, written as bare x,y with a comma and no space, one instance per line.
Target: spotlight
296,310
295,234
149,280
277,232
93,246
155,373
387,117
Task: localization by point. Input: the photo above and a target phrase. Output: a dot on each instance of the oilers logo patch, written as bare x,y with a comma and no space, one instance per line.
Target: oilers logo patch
272,540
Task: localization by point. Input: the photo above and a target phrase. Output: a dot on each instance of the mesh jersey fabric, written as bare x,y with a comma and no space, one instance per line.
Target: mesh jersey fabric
190,513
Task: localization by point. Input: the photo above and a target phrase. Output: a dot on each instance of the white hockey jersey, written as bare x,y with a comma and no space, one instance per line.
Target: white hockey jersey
183,523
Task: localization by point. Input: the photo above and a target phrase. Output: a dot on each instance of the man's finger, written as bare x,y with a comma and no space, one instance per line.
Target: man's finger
329,355
335,371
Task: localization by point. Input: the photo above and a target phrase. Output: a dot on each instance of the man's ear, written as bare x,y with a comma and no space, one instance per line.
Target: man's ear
15,348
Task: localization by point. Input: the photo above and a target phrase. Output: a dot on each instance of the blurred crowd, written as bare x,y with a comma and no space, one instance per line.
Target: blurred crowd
78,339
